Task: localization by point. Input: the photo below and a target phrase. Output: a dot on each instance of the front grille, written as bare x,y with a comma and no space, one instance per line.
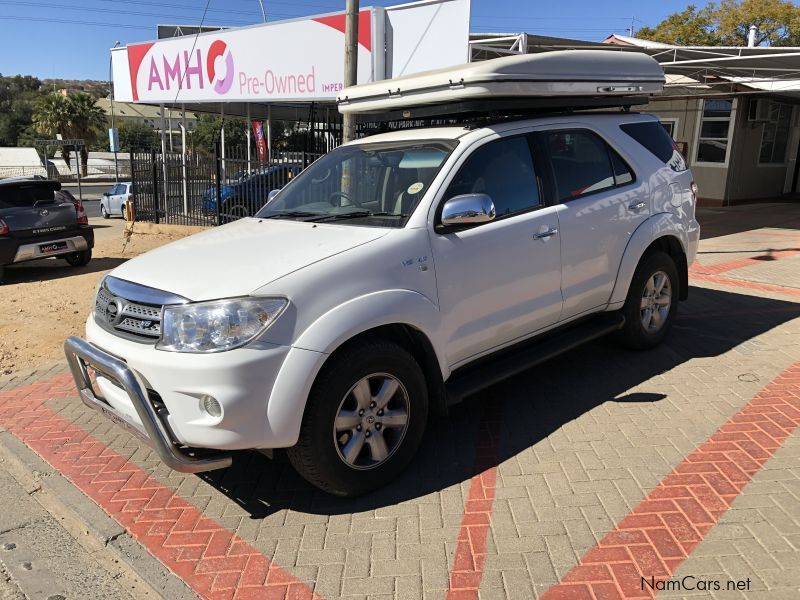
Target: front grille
137,321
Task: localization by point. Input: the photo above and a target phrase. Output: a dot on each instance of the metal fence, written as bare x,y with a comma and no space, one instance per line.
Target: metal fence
198,189
103,172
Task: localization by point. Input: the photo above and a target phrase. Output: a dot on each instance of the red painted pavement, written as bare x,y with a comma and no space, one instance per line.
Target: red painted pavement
667,525
470,554
214,562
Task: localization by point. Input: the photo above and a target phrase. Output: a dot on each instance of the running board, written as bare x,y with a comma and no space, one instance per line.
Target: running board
471,379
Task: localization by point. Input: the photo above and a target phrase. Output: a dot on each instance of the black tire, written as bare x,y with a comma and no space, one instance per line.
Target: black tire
317,458
635,334
79,259
2,274
104,212
124,212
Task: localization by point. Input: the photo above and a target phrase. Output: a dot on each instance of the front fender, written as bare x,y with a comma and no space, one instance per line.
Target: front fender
310,351
659,225
388,307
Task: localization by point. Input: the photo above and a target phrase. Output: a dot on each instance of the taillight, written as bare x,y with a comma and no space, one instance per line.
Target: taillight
4,230
83,219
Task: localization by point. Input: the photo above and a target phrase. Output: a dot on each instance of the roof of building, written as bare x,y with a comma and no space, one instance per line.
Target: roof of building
19,157
140,111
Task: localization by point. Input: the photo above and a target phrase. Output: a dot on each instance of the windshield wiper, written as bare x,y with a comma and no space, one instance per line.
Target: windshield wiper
292,214
358,214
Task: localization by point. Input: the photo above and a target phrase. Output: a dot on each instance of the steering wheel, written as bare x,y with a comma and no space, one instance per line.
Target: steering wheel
342,196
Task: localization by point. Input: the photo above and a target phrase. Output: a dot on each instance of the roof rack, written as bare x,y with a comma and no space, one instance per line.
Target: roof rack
523,84
501,109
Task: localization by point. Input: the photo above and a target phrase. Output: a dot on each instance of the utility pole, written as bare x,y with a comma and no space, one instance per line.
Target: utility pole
350,63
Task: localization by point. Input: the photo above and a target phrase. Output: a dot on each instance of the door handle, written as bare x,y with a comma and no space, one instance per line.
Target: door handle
636,205
545,234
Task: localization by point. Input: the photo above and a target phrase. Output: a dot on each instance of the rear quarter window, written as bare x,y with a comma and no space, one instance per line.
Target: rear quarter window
25,195
653,136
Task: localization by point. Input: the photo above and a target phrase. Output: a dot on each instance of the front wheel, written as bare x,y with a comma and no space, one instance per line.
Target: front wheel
79,259
364,419
652,302
104,212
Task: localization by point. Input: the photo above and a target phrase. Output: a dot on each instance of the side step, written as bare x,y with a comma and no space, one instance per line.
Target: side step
486,372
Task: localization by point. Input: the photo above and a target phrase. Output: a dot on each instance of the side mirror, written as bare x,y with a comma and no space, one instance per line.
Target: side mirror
468,209
272,194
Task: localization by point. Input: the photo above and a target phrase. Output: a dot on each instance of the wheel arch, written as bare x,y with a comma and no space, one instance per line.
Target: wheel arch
662,232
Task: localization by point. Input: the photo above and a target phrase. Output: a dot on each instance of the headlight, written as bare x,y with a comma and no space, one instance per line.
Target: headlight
217,326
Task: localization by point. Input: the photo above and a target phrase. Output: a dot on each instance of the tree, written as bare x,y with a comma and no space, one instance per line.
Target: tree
137,137
17,98
207,133
691,27
73,117
778,22
728,24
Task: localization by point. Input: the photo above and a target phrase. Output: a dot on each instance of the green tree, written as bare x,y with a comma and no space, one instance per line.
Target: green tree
18,95
690,27
728,24
778,22
137,137
207,133
73,117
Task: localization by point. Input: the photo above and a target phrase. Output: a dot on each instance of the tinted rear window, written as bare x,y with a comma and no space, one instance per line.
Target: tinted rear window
655,138
26,194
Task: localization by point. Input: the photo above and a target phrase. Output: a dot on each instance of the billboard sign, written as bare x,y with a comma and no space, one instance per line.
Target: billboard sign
259,63
295,60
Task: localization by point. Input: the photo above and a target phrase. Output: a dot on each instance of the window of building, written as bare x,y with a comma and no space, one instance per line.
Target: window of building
775,135
504,170
669,126
713,139
583,164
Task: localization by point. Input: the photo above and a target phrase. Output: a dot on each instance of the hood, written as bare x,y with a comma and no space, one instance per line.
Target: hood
235,259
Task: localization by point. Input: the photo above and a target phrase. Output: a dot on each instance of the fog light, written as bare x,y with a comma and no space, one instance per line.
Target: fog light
210,406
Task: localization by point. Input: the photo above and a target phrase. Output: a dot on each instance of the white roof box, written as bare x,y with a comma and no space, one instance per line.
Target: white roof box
548,77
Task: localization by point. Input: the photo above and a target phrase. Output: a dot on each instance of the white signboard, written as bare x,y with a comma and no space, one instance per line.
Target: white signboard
296,60
259,63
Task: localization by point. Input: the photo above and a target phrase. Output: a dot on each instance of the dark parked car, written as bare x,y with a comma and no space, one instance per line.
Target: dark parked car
39,220
250,193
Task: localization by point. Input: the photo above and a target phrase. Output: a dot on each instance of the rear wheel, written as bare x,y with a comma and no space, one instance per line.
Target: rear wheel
125,212
2,273
652,302
79,259
364,419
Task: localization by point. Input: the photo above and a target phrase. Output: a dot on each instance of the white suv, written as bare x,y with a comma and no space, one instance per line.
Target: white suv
358,301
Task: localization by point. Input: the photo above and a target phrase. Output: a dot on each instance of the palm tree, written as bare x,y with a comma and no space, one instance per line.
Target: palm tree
50,117
85,121
73,117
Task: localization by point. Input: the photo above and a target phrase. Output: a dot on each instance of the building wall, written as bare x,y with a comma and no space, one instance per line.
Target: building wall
748,179
685,112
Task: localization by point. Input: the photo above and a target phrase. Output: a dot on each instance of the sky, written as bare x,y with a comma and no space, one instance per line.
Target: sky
70,39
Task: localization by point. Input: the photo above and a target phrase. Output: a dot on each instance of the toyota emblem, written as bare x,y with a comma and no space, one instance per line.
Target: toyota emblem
113,311
44,212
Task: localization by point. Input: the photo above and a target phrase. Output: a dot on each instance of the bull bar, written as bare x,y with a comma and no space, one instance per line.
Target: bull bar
153,431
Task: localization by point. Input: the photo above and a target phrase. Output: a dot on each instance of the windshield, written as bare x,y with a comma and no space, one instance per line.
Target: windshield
377,184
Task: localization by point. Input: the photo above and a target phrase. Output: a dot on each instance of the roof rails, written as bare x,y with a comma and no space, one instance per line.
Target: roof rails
512,85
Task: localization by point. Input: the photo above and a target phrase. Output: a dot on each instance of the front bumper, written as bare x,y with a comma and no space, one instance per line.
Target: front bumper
151,429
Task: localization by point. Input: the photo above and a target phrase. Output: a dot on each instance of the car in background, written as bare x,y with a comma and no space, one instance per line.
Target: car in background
40,220
245,197
115,200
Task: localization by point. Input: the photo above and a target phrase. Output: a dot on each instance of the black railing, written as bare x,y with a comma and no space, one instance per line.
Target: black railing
199,189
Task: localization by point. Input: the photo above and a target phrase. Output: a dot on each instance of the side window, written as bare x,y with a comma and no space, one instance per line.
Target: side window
583,163
503,169
656,138
622,172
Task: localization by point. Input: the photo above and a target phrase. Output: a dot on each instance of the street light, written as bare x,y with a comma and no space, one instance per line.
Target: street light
111,87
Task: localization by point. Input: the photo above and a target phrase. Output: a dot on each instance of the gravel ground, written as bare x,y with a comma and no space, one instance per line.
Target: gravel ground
43,302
